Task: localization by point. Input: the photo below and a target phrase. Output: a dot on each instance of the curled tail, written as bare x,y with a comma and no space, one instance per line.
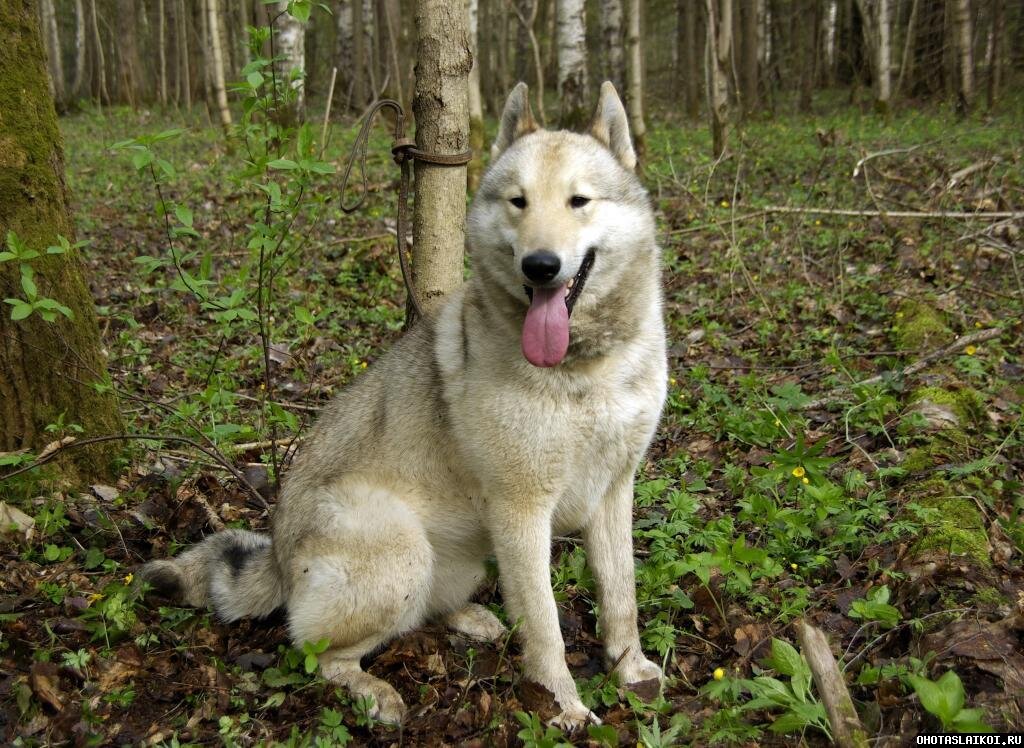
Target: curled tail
234,572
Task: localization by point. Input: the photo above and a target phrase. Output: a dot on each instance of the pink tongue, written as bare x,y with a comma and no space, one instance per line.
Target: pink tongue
546,329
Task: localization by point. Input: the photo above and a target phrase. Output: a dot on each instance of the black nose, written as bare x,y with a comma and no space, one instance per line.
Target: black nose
541,266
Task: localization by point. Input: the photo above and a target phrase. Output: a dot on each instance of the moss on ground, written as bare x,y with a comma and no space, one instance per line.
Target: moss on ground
967,404
960,528
919,325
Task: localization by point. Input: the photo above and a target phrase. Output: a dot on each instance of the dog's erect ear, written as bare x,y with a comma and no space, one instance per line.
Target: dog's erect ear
516,120
611,126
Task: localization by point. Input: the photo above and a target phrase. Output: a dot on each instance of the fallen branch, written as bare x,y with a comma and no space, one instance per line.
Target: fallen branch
54,450
847,731
963,215
979,336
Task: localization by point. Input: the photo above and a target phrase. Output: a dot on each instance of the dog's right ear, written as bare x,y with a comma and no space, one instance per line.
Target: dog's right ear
516,120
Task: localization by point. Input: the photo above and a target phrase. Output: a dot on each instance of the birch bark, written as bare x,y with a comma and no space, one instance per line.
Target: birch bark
611,36
635,93
216,62
572,63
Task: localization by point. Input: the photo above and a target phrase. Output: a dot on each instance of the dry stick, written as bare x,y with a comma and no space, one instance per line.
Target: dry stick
847,730
71,443
983,216
327,112
979,336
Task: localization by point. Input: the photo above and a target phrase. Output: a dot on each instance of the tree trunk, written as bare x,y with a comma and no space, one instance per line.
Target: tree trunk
906,65
749,69
79,80
392,12
572,63
965,55
344,41
54,64
689,72
102,95
128,49
162,49
526,24
524,10
370,47
476,107
215,62
184,72
884,23
290,48
611,37
441,107
635,69
719,53
47,369
810,22
995,55
359,54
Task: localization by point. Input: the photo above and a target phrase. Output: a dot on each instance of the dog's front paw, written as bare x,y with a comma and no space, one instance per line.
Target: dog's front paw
639,674
574,717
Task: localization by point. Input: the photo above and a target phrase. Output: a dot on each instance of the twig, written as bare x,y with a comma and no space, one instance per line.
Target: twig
847,731
327,112
964,215
879,154
979,336
66,445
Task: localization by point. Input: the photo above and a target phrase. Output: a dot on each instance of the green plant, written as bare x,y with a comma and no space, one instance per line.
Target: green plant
45,307
945,699
536,735
875,607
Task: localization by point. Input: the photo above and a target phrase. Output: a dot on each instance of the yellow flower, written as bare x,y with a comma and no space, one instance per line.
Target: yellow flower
128,579
725,203
672,381
362,364
799,471
778,422
719,673
970,350
806,479
794,567
95,596
817,223
977,324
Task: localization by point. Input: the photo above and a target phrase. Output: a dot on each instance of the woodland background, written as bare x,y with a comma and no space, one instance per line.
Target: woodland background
839,192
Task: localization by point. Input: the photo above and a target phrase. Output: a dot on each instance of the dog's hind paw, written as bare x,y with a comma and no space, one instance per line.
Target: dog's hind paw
635,669
476,622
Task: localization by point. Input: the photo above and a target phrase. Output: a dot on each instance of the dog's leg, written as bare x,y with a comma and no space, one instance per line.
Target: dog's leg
476,622
608,539
522,544
456,578
362,578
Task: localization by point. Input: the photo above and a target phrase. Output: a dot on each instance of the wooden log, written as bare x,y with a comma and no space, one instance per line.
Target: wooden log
847,730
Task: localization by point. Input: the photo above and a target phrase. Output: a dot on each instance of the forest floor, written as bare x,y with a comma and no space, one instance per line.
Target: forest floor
801,471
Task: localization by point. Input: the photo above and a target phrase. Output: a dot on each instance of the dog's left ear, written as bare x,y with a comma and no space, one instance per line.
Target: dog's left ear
516,120
611,127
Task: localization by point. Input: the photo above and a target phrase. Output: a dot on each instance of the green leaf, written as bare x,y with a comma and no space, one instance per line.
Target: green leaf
785,659
184,214
304,316
300,9
142,159
28,283
310,663
21,310
971,720
788,722
952,690
274,700
255,79
282,163
51,552
933,698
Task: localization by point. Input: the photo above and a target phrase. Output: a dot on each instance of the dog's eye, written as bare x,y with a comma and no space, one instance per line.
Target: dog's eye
578,201
519,202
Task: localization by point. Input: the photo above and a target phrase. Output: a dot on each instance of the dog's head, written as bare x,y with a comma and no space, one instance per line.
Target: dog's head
559,219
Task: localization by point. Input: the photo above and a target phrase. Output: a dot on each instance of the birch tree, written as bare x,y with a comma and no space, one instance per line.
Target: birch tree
162,50
635,92
750,15
878,40
718,53
965,55
611,38
102,95
687,68
216,61
343,51
47,369
572,63
526,14
441,108
290,48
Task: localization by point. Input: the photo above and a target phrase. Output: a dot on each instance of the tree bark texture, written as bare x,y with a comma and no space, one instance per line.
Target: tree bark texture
102,94
965,55
441,108
184,70
216,62
54,63
162,50
130,68
719,53
749,66
995,55
572,64
687,17
635,69
526,24
343,48
290,47
79,79
476,106
46,368
611,41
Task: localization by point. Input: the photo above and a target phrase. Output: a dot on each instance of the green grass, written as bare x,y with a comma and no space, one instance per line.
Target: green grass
752,509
